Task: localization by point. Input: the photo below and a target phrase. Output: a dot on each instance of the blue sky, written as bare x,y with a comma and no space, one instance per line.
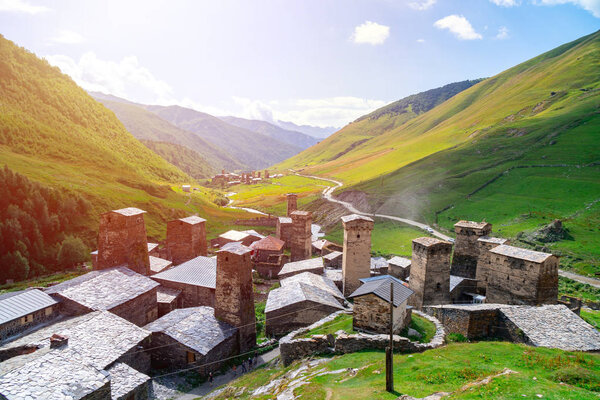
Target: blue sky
322,62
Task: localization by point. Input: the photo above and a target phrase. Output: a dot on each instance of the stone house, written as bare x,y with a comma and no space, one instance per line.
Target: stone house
283,230
486,243
297,305
196,279
379,266
186,239
23,310
268,257
323,247
168,300
314,265
153,251
399,267
246,238
462,290
190,337
356,260
430,272
318,281
371,312
466,247
333,259
522,276
119,290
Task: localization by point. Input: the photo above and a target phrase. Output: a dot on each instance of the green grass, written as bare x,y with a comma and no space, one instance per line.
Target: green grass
425,327
592,317
42,281
569,287
341,322
259,309
449,368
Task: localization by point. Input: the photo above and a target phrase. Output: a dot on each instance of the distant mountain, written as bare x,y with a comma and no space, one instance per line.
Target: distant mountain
146,125
314,131
294,138
183,157
252,149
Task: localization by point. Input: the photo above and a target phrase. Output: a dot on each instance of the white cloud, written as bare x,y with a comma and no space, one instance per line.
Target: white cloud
421,4
506,3
370,33
254,109
65,36
593,6
502,33
21,6
420,40
459,26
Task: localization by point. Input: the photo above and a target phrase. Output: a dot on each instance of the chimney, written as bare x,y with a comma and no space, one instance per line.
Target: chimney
57,341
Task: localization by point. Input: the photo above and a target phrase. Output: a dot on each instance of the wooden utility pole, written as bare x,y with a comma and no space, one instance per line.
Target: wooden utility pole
389,352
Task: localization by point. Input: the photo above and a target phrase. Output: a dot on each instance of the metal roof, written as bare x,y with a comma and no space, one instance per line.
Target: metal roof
381,288
23,303
199,271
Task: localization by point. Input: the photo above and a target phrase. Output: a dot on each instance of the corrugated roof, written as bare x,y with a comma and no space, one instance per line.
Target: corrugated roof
381,288
199,271
400,261
523,254
268,243
23,303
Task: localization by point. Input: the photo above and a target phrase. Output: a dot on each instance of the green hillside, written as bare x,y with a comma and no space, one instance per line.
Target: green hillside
57,136
182,157
146,125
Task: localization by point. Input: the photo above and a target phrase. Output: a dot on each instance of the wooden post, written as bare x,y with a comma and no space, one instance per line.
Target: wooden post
389,352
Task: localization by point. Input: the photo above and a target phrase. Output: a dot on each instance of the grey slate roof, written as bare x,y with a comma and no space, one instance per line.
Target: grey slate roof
471,224
285,220
399,261
456,280
23,303
333,255
523,254
490,239
193,220
319,281
124,379
335,275
378,263
166,295
301,266
298,292
199,271
159,264
354,217
129,211
104,289
194,327
381,288
235,248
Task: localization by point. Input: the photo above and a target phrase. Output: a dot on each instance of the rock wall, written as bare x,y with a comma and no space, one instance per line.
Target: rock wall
191,295
295,316
430,272
474,322
466,247
18,325
185,240
372,314
141,310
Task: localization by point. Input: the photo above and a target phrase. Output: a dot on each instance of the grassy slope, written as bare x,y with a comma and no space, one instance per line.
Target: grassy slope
53,132
144,124
186,159
449,368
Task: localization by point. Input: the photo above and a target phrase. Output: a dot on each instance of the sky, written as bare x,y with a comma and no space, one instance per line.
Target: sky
314,62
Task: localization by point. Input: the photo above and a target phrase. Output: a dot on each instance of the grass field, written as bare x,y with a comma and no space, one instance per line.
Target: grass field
592,317
342,322
425,327
553,374
42,281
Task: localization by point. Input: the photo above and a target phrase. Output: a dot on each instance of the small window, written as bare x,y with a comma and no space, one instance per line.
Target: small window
191,357
29,318
48,311
438,286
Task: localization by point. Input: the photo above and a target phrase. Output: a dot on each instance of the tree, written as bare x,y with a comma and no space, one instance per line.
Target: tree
72,252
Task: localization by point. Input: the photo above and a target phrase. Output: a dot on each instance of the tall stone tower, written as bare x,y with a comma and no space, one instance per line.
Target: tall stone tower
484,261
300,239
234,297
356,259
186,239
466,247
430,272
122,240
292,203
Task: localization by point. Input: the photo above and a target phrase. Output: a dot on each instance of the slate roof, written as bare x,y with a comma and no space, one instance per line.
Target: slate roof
378,263
456,280
427,241
298,292
333,255
129,211
159,264
233,235
400,261
252,232
23,303
199,271
318,244
297,267
193,220
104,289
523,254
151,246
194,327
285,220
381,288
124,379
269,243
319,281
235,248
471,224
334,275
166,295
355,217
489,239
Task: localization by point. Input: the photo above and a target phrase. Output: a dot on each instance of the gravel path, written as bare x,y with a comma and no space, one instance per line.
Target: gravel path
580,278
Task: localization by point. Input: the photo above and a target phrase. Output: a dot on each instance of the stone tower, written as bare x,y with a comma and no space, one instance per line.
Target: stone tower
430,272
186,239
292,203
466,247
122,240
234,297
486,244
266,174
356,259
301,236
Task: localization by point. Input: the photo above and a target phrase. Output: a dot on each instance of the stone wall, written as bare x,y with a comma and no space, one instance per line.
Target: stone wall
356,259
430,272
191,295
260,221
472,321
19,325
300,240
466,247
141,310
102,393
185,240
284,232
122,241
372,314
137,359
485,259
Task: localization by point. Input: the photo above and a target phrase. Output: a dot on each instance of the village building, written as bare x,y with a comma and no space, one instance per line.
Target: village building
22,310
336,276
466,247
122,240
319,281
186,239
522,276
297,305
399,267
463,290
93,356
192,337
356,260
168,300
430,272
484,261
301,238
292,203
379,266
153,251
196,279
371,312
159,264
246,238
186,188
283,230
119,290
314,265
323,247
333,259
268,257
